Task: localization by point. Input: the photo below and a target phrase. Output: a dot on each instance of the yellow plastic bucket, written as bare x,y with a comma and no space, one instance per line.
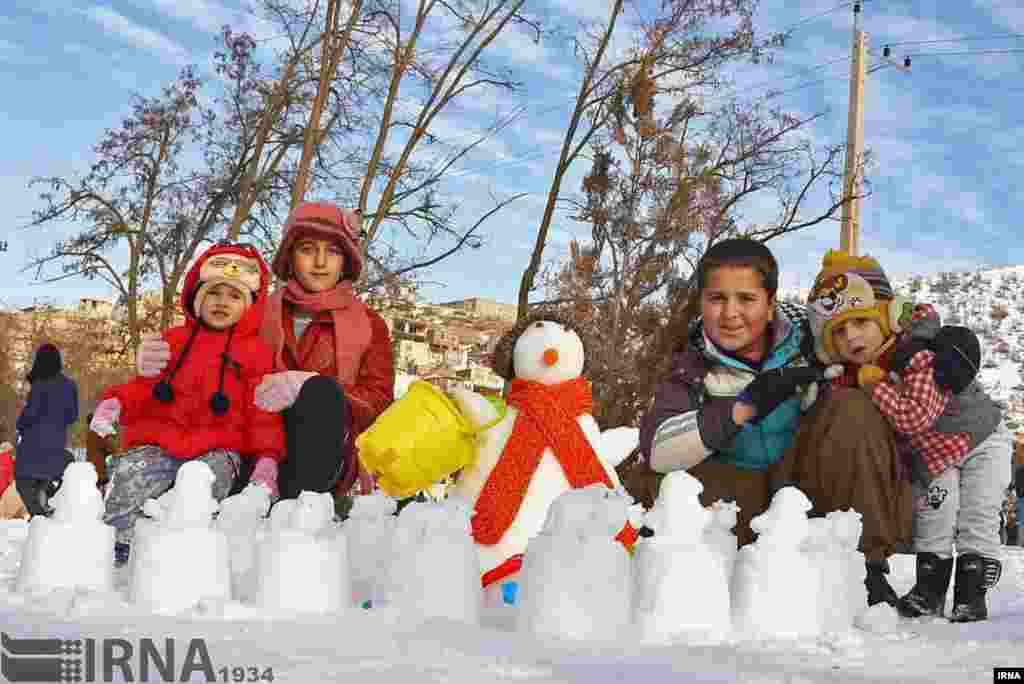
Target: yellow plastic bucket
418,440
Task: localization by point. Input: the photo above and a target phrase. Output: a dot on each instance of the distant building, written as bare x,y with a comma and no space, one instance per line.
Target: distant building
485,308
95,308
413,354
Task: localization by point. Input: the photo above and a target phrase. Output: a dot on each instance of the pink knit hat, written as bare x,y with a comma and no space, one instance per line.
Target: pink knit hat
323,220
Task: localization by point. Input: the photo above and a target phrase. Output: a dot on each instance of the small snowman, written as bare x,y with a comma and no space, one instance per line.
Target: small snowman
72,547
178,558
846,532
577,580
719,533
784,525
370,530
762,607
188,503
681,583
302,561
547,444
677,513
435,571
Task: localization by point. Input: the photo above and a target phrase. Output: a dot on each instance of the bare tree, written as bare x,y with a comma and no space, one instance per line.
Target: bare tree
677,50
9,329
333,47
120,199
659,191
420,76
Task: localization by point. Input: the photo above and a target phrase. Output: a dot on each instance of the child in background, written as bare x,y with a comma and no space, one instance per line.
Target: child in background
921,378
97,449
7,482
202,406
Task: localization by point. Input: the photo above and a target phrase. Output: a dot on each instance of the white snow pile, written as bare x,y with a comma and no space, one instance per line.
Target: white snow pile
178,559
370,530
302,560
435,570
682,573
72,548
576,579
788,608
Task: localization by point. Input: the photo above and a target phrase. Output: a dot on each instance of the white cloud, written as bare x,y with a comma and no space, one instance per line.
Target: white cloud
141,37
518,45
586,10
206,15
1004,15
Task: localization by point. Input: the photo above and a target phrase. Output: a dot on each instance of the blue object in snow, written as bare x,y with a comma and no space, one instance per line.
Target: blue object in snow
509,590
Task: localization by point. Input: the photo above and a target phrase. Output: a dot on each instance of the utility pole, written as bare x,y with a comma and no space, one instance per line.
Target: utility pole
853,178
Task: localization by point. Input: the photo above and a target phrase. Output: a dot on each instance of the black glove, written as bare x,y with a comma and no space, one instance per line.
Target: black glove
771,388
904,350
957,358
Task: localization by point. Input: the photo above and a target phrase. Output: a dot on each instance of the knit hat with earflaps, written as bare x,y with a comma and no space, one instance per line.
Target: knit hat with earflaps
239,271
852,287
241,267
327,221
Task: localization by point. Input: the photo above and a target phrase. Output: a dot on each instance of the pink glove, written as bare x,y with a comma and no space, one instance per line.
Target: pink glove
152,356
104,417
265,474
278,391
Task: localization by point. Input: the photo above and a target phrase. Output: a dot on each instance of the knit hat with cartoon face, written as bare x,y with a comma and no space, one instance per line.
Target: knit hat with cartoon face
850,287
239,271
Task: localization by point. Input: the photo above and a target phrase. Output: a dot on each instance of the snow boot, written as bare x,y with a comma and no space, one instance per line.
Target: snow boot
975,575
879,590
121,553
928,597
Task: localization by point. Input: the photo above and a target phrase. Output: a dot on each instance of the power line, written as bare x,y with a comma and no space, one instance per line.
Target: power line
819,15
1009,51
757,86
962,39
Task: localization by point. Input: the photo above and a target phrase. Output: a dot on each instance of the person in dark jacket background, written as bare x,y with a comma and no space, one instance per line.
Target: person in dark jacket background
52,408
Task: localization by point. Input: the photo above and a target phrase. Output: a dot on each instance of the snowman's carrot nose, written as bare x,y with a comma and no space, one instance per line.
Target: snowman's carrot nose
550,357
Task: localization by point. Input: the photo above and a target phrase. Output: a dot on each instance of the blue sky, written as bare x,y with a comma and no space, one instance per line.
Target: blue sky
944,136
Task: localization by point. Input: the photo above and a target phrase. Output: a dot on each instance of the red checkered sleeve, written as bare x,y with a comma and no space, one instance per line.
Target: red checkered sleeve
922,311
914,405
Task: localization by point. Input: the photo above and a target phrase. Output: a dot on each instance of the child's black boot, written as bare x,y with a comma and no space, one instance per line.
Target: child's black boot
121,553
928,597
975,575
879,590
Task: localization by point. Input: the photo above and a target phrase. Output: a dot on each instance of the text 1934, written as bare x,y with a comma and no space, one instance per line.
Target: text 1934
246,674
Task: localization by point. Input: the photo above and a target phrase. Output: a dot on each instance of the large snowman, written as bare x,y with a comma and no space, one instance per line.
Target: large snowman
547,443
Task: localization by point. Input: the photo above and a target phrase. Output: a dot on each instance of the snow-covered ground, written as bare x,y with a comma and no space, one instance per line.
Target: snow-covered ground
379,645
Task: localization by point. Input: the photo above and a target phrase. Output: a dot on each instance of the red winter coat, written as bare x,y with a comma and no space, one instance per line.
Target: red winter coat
374,388
187,427
6,469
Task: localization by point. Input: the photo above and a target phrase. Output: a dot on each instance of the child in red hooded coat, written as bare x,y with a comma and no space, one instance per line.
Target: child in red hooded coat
201,406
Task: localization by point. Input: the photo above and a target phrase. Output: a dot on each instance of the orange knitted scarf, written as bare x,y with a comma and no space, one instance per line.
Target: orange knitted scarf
547,418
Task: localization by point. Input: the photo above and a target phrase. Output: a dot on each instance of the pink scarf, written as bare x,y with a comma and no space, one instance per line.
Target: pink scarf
351,324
